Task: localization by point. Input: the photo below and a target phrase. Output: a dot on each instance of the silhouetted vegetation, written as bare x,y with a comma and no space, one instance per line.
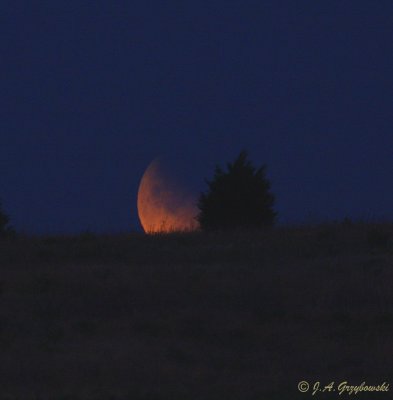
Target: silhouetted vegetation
217,315
237,198
4,221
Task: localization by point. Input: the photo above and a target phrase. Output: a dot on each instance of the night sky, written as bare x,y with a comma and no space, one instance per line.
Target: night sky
92,92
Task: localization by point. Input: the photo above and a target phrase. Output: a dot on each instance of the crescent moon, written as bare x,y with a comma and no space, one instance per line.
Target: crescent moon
162,205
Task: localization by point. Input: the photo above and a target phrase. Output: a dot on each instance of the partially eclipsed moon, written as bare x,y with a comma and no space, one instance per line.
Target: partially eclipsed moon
162,205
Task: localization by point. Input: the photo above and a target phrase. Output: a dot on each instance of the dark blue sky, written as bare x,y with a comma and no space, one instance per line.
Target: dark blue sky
91,92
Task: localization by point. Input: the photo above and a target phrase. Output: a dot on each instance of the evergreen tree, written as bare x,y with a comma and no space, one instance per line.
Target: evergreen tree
4,220
237,198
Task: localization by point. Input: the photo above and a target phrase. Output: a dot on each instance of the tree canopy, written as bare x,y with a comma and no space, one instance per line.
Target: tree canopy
239,197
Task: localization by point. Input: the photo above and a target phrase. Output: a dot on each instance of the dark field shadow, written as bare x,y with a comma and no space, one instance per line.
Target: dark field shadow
240,315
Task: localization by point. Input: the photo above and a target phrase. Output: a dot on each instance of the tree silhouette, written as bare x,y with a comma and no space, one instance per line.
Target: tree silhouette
237,198
4,220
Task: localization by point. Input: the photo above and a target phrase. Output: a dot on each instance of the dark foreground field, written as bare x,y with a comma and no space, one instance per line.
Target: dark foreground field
242,316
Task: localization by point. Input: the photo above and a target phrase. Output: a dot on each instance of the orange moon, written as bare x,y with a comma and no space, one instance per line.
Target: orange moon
163,206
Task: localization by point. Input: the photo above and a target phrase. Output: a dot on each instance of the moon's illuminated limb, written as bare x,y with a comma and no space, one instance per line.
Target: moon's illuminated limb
162,206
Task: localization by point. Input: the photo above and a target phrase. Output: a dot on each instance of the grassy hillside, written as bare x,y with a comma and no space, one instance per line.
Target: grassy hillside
241,315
